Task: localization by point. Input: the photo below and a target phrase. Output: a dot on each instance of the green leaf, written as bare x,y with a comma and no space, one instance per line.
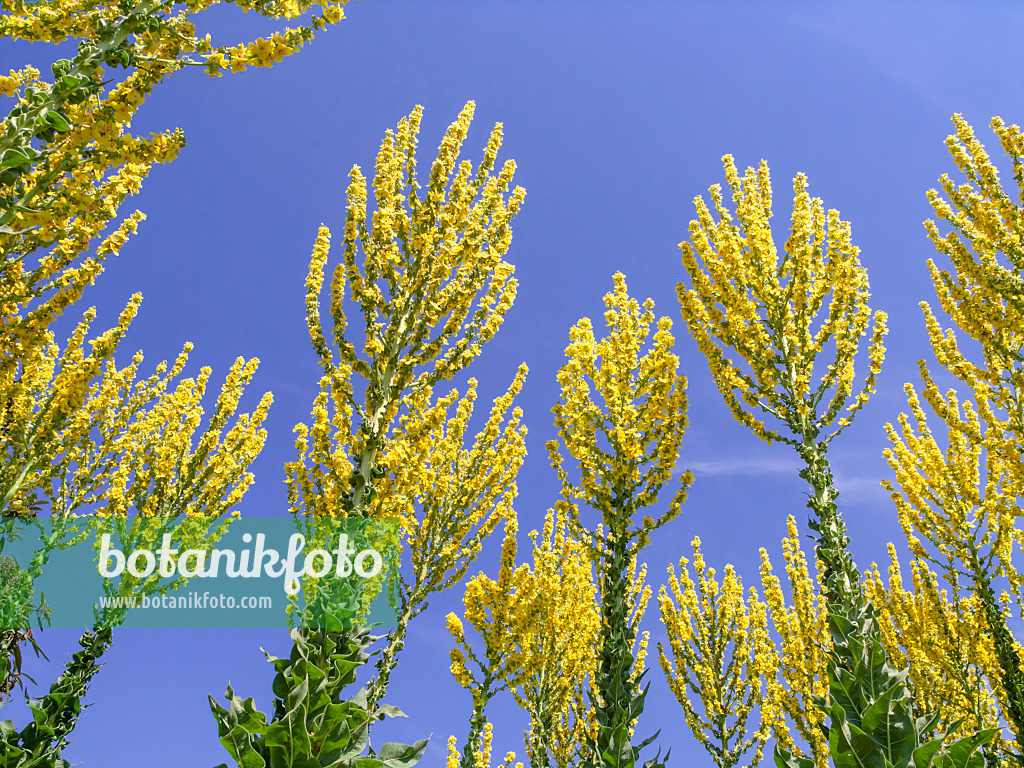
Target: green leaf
14,158
393,755
964,753
58,121
239,729
926,723
849,746
786,759
925,754
387,710
892,725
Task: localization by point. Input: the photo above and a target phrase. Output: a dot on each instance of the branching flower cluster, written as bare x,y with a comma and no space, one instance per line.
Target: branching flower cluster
842,669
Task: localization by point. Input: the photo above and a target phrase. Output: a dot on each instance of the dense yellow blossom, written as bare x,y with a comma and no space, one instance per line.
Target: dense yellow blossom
69,213
432,288
962,500
539,624
66,157
481,758
620,420
417,289
742,298
449,498
983,294
637,407
81,431
720,650
944,642
67,163
426,272
803,629
957,493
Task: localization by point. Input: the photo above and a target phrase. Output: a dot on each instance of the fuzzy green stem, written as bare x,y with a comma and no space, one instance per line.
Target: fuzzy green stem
389,659
1006,653
477,721
41,742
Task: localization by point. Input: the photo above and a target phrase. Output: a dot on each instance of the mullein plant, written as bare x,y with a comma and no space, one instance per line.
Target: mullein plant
620,421
59,129
568,645
803,628
432,288
67,163
720,649
67,157
130,445
115,445
76,430
744,300
538,624
961,495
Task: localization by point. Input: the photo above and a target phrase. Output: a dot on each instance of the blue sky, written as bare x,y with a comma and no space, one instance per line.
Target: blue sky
617,115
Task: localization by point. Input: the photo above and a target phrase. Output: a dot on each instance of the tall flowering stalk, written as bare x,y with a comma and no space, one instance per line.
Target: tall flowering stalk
620,420
722,651
74,428
432,288
803,629
963,499
746,300
538,624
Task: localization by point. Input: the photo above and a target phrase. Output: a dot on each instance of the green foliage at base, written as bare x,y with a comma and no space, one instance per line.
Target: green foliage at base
870,708
313,726
40,743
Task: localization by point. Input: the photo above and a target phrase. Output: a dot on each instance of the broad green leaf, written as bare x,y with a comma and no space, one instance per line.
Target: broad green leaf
393,755
964,753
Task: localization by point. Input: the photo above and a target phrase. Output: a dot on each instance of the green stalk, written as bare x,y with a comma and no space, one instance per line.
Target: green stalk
389,658
39,744
478,720
1006,651
619,702
869,703
540,742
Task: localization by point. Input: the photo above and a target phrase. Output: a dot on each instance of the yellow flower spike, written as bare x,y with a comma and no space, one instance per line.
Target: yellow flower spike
743,299
426,272
956,494
117,442
942,495
405,290
539,623
982,295
641,411
453,755
620,420
703,623
801,660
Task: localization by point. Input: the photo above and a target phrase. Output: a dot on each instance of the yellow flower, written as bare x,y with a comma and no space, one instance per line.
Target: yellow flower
743,300
539,625
720,650
636,403
802,660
